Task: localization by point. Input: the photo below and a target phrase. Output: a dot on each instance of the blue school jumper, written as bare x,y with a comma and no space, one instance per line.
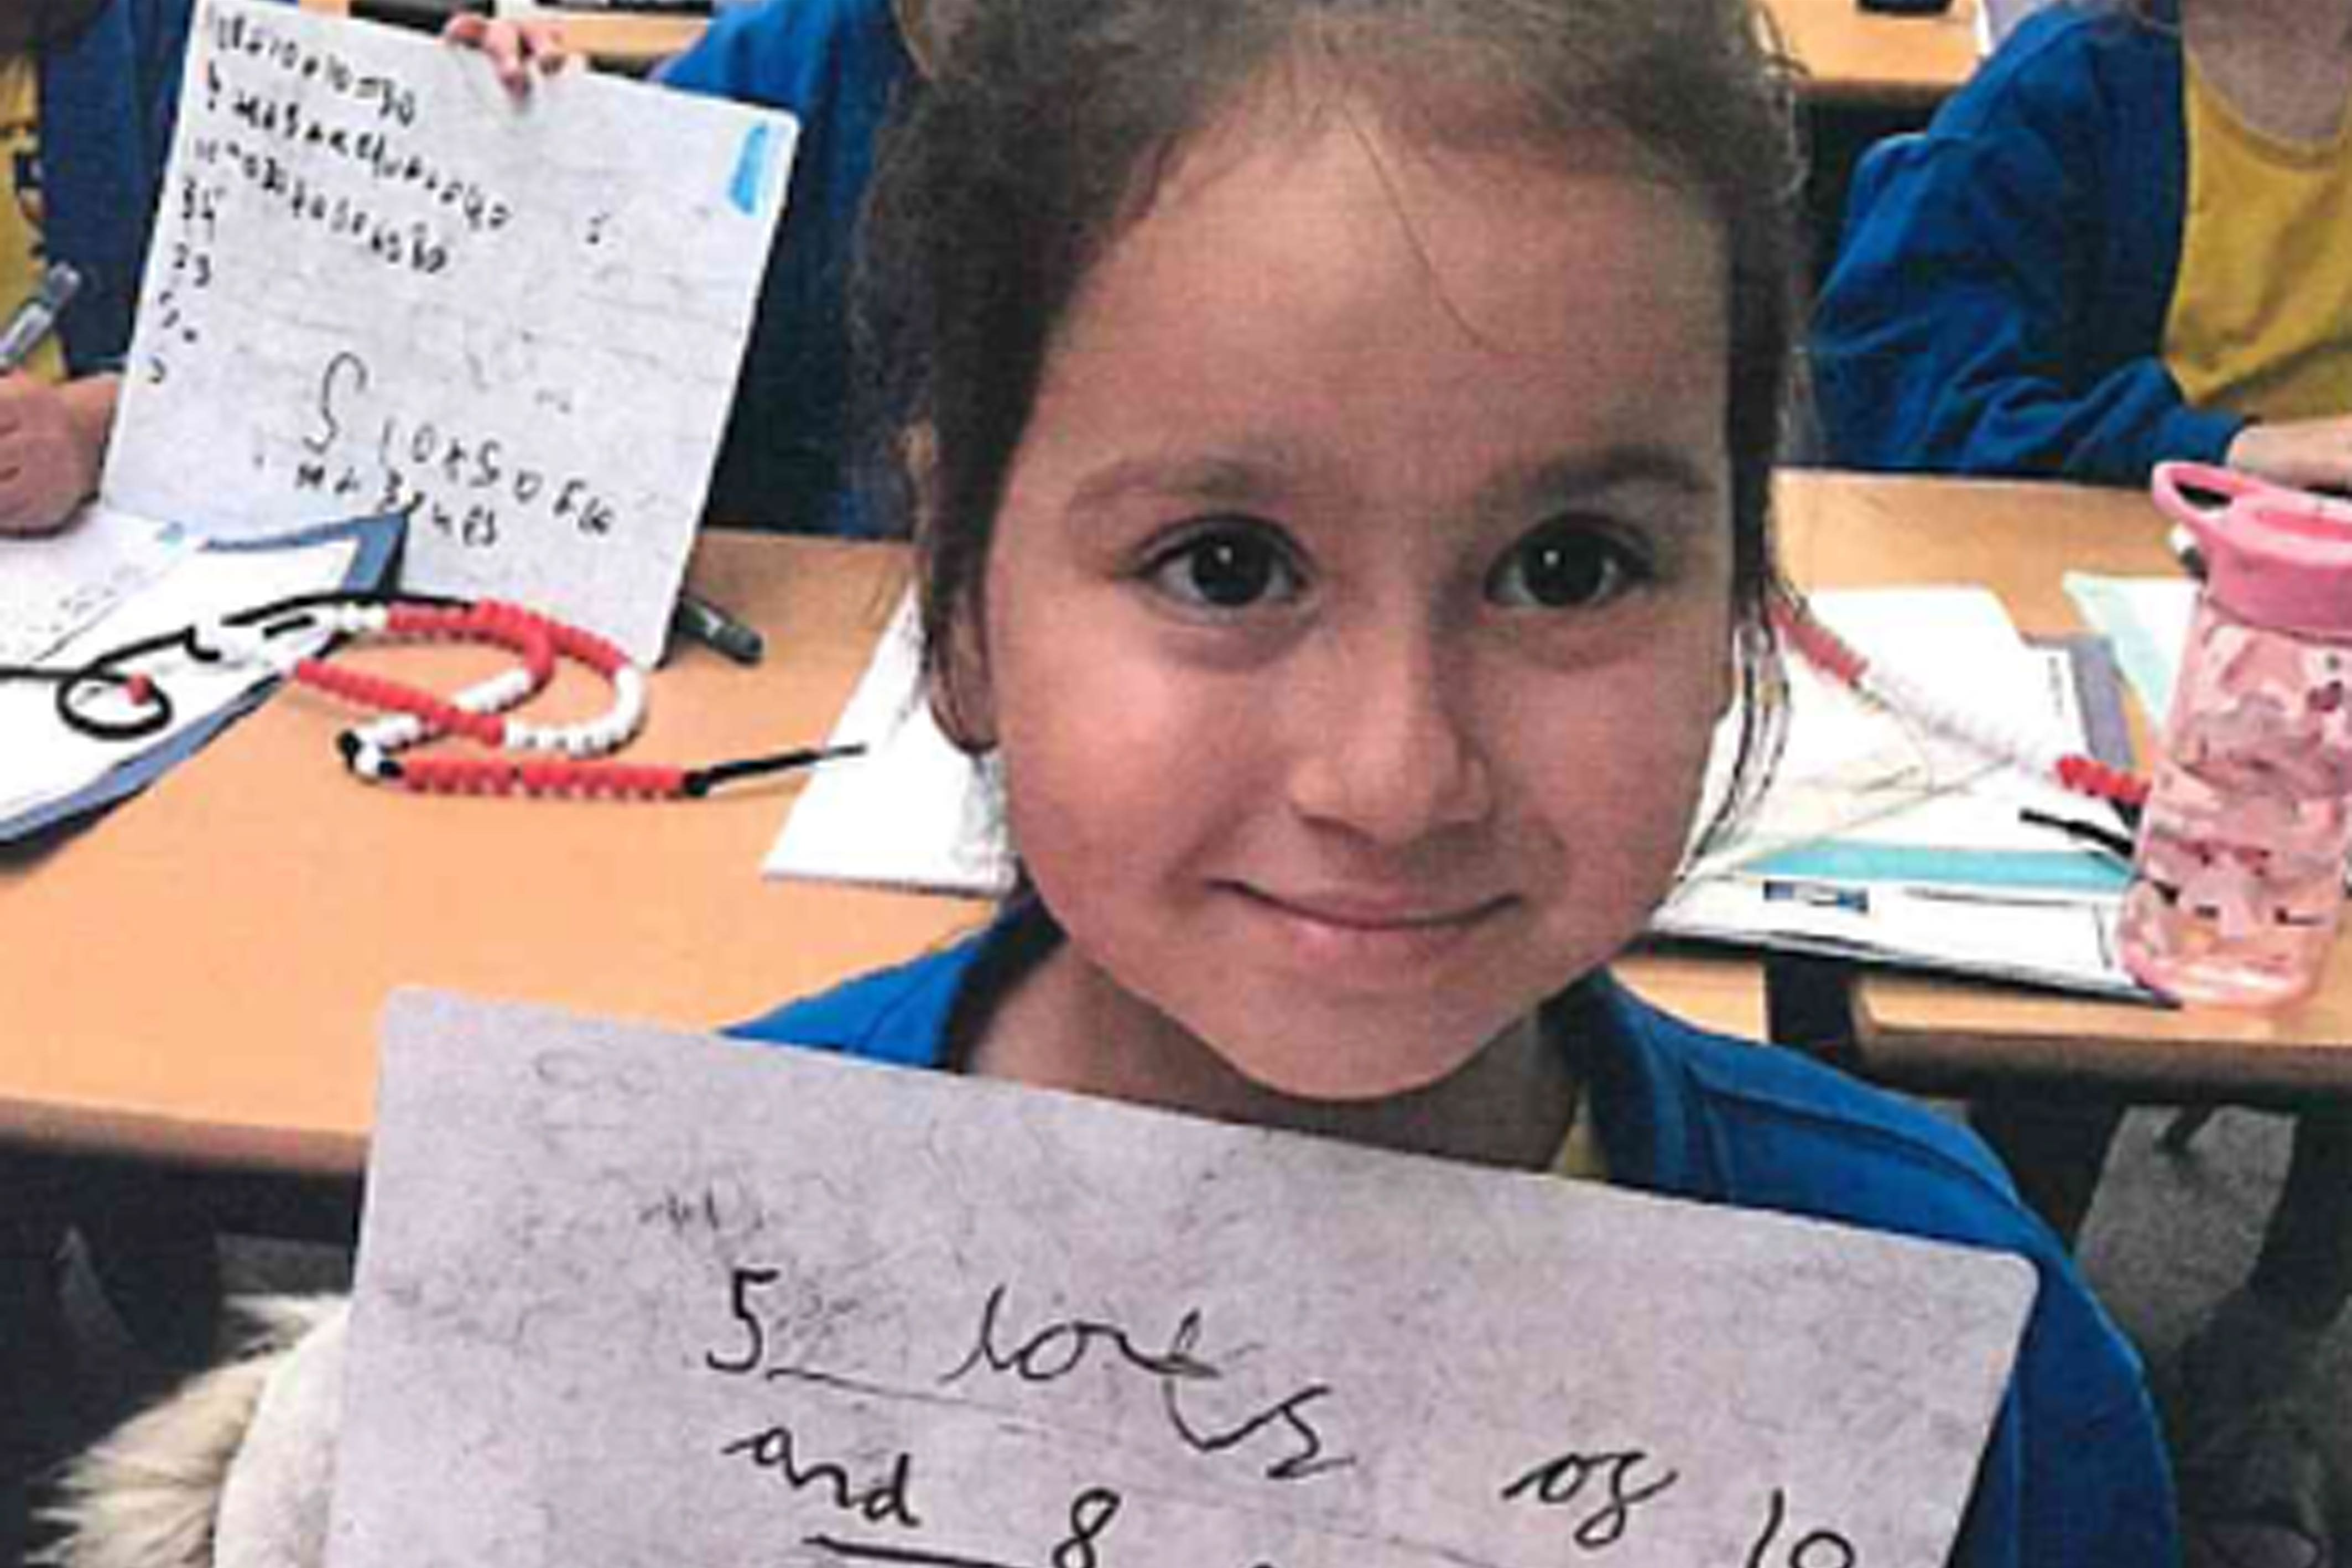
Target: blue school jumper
835,66
109,102
1999,301
2075,1476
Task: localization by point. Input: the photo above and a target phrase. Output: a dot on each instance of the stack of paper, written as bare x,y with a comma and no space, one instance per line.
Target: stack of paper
2147,621
50,775
1881,841
912,811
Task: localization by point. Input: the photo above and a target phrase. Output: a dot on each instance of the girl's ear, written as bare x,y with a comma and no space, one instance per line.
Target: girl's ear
957,685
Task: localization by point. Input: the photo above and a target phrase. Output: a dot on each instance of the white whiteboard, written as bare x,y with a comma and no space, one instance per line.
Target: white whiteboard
380,282
633,1297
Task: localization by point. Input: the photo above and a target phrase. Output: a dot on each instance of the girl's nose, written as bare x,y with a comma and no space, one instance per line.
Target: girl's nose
1386,746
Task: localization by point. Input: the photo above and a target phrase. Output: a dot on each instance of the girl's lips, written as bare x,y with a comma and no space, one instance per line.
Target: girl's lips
1378,940
1362,912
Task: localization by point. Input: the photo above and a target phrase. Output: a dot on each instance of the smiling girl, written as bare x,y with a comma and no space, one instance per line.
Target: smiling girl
1336,436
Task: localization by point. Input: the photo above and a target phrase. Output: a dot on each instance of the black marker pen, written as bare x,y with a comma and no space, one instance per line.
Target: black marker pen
698,618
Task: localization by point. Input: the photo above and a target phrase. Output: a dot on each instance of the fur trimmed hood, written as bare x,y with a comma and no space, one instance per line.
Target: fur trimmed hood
232,1469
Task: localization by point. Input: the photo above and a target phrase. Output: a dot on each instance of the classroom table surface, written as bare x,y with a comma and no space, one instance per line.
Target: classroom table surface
630,44
1843,530
1877,59
1849,55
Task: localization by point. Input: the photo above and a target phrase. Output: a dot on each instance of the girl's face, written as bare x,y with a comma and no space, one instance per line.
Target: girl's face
1361,607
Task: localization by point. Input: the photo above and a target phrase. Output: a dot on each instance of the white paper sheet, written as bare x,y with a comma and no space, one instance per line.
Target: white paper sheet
49,771
913,812
2146,619
379,282
633,1297
54,586
1881,841
1857,772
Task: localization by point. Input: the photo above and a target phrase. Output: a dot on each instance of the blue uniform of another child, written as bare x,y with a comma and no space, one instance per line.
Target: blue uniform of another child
836,65
2074,1477
109,103
1998,304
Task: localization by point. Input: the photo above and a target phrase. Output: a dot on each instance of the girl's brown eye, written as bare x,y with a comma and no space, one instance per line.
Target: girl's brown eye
1229,568
1564,568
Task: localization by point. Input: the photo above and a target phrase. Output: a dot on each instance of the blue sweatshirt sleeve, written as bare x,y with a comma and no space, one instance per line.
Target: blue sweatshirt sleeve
1998,306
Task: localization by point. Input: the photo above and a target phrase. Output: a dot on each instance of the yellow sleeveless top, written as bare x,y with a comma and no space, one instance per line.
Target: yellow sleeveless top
2260,319
1579,1157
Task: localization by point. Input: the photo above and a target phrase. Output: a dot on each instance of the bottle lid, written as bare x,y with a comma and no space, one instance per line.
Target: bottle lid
2274,556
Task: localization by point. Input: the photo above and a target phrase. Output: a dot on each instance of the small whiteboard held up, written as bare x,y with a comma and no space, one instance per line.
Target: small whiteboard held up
633,1297
379,282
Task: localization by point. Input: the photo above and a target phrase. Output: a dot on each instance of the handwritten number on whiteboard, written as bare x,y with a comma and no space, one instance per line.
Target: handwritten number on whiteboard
755,1349
1090,1514
1815,1549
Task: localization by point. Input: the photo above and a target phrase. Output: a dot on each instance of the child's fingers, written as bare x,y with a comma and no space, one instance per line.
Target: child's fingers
514,49
543,44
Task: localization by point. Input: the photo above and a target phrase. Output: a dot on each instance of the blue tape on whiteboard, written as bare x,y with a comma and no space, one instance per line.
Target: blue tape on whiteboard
752,170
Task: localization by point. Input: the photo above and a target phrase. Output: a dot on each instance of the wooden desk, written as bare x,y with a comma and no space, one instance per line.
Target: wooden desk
1927,1033
631,45
1862,57
195,980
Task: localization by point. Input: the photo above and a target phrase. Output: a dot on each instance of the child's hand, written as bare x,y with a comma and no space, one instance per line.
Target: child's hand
517,49
2309,454
52,444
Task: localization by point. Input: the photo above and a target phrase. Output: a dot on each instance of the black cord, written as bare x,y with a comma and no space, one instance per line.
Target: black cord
701,782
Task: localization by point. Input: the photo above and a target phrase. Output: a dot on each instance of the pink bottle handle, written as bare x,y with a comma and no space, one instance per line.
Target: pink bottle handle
2172,481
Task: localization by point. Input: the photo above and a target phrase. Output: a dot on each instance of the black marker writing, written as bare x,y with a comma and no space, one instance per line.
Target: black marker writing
1061,1347
739,1301
882,1501
1562,1483
343,366
235,34
459,483
1090,1514
1815,1549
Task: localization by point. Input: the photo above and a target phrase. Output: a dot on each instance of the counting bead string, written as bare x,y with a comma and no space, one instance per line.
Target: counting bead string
573,759
1890,689
480,712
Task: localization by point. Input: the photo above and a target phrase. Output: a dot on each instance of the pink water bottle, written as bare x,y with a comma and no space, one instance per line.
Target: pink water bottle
2239,878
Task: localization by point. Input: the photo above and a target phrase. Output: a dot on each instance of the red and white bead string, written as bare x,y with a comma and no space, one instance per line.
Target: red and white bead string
2034,755
557,759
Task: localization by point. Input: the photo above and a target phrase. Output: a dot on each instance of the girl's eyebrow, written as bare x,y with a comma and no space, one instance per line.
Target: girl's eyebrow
1220,479
1682,474
1258,473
